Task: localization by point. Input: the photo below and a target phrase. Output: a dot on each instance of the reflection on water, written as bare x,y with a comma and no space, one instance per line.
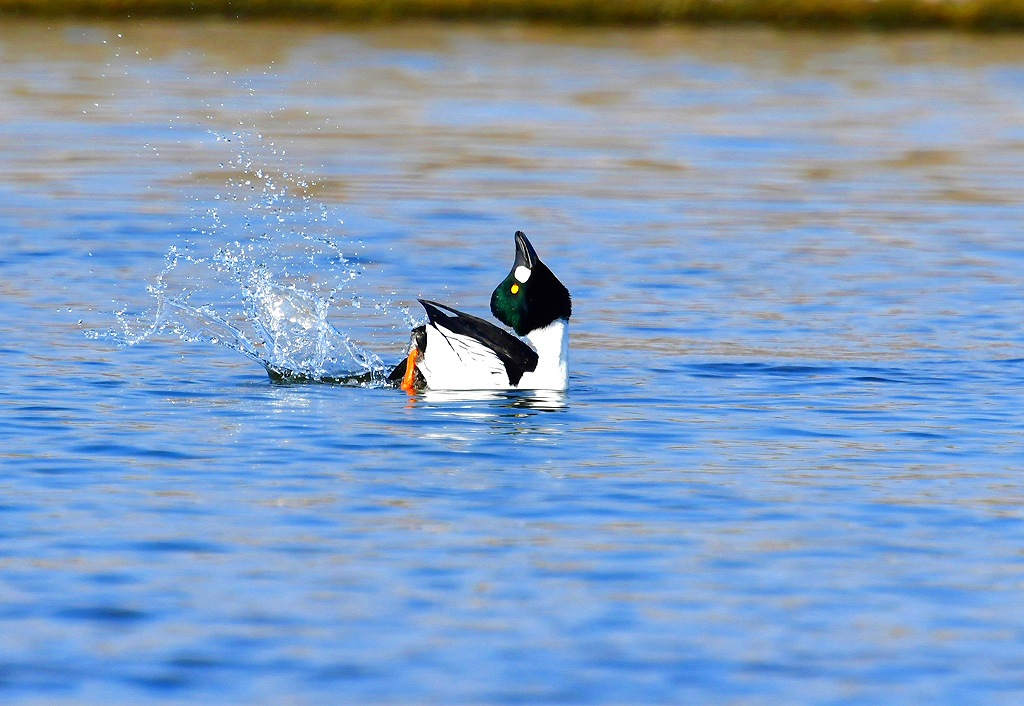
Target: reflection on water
546,400
787,468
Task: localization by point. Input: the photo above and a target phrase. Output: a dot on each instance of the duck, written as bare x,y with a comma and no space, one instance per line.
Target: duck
454,350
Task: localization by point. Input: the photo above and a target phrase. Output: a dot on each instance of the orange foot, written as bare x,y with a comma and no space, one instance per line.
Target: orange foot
409,381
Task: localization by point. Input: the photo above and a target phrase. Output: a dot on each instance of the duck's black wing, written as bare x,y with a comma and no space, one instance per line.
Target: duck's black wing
514,354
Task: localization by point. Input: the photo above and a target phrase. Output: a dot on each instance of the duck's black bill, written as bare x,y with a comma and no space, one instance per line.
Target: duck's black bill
526,256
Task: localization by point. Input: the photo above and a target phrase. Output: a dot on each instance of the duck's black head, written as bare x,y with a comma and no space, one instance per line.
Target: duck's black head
531,297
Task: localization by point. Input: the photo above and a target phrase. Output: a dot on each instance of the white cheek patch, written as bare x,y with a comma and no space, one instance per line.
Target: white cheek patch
522,274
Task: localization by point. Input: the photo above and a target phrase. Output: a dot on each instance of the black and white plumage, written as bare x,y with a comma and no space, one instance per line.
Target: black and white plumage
459,351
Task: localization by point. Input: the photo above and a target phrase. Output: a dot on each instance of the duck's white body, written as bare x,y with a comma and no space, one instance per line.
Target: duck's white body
458,362
454,361
552,346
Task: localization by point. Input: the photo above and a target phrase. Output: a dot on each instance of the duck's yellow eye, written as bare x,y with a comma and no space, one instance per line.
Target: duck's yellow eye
515,288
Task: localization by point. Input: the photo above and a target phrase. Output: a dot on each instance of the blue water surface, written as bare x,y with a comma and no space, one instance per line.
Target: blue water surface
787,469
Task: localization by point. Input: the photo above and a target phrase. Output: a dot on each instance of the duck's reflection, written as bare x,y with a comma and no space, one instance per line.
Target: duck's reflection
543,400
463,417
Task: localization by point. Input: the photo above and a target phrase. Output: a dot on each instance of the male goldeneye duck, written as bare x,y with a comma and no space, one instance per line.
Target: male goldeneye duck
458,351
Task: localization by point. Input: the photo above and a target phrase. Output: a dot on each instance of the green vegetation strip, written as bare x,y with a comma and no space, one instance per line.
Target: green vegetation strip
962,14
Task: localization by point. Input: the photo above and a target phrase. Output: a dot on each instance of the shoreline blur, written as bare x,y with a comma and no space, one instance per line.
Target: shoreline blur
973,15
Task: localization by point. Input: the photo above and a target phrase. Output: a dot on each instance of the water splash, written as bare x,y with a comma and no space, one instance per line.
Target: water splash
269,294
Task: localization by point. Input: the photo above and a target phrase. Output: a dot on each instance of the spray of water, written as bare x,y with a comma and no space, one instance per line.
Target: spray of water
269,294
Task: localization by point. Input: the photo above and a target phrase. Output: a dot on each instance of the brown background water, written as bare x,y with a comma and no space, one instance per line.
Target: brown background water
787,469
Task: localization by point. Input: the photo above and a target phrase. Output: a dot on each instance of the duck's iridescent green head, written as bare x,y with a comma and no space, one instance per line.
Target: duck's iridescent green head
531,297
